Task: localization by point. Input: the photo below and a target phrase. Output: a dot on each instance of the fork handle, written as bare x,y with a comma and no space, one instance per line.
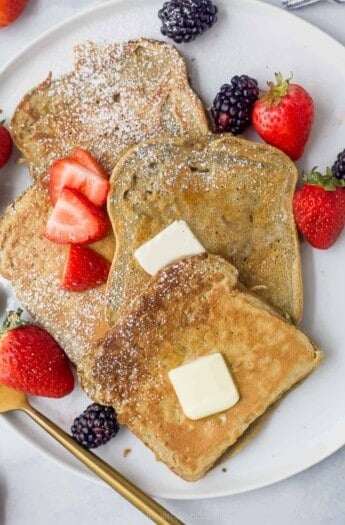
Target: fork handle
112,477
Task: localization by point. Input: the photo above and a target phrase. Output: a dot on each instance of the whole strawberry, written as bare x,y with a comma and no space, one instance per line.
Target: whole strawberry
10,11
319,208
31,360
6,144
283,116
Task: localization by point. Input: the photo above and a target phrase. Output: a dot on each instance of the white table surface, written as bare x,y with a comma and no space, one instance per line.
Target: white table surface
36,491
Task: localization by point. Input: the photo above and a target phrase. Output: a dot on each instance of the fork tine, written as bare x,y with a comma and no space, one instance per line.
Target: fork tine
296,4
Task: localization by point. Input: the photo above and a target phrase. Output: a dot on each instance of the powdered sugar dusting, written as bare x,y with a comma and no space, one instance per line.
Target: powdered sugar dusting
121,370
235,195
35,266
117,96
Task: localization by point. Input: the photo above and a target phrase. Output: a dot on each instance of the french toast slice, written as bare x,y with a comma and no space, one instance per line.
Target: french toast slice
193,308
117,96
234,194
35,265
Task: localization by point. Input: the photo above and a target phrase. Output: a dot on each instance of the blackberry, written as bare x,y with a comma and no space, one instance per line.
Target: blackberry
338,167
232,107
95,426
184,20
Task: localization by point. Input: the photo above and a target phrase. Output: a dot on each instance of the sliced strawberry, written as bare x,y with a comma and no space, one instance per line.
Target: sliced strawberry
75,219
69,173
89,162
84,269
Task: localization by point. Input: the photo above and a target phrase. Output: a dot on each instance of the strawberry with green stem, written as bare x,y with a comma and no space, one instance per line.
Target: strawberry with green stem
319,208
31,360
283,116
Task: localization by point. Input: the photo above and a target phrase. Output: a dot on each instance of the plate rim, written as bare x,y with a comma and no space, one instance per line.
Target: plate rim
85,13
5,70
73,469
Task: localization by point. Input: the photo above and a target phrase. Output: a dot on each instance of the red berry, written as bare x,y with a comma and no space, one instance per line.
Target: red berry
320,212
284,116
6,145
75,220
84,269
32,361
69,173
84,158
10,10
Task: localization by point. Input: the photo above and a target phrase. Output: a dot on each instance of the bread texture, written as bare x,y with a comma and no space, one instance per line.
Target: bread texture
234,194
192,308
35,265
116,96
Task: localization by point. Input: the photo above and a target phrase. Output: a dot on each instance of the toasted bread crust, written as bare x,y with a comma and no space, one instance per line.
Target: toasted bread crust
35,266
234,194
192,308
117,96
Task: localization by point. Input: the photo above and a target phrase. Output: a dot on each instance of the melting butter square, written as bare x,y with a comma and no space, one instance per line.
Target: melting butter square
172,243
204,386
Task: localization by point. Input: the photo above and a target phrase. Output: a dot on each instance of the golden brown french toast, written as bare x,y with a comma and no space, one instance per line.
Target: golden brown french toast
235,195
193,308
35,265
117,96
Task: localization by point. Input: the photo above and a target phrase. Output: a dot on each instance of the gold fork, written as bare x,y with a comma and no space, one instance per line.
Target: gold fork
15,400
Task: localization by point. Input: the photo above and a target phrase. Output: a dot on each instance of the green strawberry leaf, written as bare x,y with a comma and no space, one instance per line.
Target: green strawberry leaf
327,181
276,91
13,320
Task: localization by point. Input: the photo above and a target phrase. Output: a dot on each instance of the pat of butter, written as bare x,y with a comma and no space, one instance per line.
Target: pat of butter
204,386
175,242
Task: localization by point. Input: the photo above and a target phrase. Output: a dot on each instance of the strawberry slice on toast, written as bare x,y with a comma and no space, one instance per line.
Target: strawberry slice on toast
71,174
84,269
75,220
89,162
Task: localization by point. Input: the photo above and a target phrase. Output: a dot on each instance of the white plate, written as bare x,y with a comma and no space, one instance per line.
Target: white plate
257,39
